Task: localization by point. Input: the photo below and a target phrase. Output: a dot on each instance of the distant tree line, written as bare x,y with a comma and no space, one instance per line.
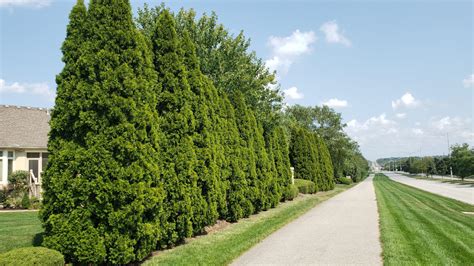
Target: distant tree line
460,161
162,126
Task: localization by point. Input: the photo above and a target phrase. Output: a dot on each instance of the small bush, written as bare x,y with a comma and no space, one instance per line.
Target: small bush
13,201
32,256
291,192
35,203
25,201
3,196
344,180
305,186
19,180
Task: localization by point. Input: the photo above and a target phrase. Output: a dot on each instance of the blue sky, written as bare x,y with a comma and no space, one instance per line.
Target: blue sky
400,72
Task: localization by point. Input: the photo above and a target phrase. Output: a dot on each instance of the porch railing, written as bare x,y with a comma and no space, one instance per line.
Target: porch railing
34,185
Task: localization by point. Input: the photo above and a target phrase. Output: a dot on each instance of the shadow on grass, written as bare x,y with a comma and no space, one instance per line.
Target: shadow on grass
37,239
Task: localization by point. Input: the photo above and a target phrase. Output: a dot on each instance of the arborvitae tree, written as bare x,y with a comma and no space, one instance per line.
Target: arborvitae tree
66,108
210,197
315,161
326,164
237,167
102,192
304,156
280,148
178,125
247,130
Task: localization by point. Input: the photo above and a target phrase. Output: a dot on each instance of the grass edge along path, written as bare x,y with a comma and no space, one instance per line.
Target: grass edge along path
421,228
222,247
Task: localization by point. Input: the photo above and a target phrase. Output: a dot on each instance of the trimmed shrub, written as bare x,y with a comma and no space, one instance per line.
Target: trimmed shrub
3,195
25,201
305,186
19,180
344,180
291,192
32,256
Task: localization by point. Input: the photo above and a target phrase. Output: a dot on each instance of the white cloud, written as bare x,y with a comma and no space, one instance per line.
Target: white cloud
26,88
375,122
335,103
407,100
292,93
379,136
286,49
469,81
296,44
400,115
417,131
333,35
448,124
25,3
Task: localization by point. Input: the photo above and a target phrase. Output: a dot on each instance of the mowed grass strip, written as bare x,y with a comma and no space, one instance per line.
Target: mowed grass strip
221,247
421,228
19,229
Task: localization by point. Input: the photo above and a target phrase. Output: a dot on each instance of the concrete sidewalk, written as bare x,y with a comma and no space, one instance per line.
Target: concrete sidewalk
459,192
341,230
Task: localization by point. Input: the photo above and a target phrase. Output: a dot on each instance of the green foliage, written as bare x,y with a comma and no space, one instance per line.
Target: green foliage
3,195
463,160
159,131
310,158
279,149
291,192
102,200
226,59
32,256
25,201
305,186
328,125
178,125
18,180
344,180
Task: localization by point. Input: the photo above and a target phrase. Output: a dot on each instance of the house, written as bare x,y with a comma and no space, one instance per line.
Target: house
23,142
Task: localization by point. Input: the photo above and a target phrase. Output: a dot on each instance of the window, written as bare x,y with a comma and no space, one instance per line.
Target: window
32,155
10,162
10,166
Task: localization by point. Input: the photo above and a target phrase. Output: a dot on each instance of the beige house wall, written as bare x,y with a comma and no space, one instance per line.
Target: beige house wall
20,161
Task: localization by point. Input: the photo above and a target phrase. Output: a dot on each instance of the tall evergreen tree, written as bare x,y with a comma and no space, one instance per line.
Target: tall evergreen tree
280,148
237,167
102,192
211,191
247,127
178,125
326,164
315,160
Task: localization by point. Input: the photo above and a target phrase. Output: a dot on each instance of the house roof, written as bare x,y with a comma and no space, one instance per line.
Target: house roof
23,127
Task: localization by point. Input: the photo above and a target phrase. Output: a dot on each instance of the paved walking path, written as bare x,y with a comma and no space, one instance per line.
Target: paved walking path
341,230
459,192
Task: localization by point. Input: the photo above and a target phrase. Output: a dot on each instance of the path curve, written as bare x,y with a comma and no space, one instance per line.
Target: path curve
341,230
462,193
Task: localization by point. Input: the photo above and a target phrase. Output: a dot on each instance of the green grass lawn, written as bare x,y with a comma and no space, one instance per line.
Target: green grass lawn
19,229
222,247
421,228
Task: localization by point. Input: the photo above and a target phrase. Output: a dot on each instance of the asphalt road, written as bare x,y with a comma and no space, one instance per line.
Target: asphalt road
463,193
341,230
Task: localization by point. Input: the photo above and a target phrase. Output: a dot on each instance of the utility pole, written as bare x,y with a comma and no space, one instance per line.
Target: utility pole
449,156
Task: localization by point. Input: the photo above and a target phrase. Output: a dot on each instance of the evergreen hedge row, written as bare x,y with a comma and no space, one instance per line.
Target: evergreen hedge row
147,150
311,160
